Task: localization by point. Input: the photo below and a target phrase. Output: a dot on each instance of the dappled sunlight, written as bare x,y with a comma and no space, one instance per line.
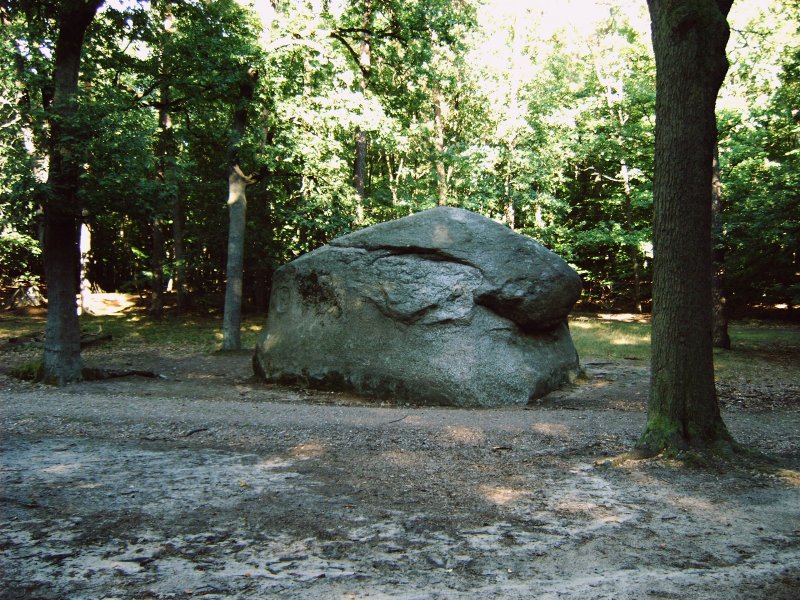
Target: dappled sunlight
101,304
308,450
464,434
401,458
600,383
269,464
502,496
441,236
269,342
789,477
692,503
625,317
575,506
630,340
600,514
551,429
61,469
611,338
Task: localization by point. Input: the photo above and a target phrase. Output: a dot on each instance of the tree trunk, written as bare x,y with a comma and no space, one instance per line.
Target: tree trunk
720,337
509,212
61,362
393,179
360,165
157,268
360,173
626,188
689,38
438,142
237,207
168,157
85,247
178,222
166,150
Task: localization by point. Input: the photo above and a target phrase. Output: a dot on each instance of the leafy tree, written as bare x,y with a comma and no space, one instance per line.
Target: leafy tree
24,157
759,143
370,110
62,207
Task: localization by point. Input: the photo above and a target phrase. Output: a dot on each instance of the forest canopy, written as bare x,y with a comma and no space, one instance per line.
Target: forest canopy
537,114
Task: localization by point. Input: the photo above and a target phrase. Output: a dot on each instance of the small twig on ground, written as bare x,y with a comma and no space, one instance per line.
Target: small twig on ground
396,420
193,431
501,448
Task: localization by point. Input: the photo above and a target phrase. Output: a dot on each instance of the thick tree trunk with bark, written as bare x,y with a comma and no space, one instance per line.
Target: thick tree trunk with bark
689,38
237,208
62,354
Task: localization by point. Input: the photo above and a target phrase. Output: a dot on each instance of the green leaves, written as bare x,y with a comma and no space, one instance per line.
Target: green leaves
544,129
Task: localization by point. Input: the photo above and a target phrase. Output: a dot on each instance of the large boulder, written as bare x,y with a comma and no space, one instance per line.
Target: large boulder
441,307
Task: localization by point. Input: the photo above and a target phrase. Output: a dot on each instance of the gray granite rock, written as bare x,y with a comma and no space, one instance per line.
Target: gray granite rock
441,307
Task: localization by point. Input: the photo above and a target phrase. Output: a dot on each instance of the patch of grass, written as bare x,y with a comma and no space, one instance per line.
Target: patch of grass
190,333
15,325
759,352
131,330
611,339
30,371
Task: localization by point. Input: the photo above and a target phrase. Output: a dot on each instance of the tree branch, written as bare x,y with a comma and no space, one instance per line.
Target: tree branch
365,71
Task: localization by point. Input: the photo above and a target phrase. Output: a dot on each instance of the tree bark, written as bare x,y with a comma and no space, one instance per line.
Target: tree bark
720,337
626,188
168,156
689,38
360,173
360,165
438,142
62,362
178,222
237,208
157,267
166,150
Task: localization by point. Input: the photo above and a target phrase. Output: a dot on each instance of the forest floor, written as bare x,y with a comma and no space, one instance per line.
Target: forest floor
203,482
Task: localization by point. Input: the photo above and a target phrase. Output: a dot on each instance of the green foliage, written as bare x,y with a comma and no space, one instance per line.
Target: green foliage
546,131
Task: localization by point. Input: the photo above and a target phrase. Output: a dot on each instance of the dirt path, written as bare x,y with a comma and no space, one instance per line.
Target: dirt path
204,483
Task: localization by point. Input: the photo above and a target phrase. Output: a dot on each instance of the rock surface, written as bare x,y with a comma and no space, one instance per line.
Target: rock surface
441,307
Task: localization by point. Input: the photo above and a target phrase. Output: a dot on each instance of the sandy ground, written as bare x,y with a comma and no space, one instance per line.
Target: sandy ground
205,483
